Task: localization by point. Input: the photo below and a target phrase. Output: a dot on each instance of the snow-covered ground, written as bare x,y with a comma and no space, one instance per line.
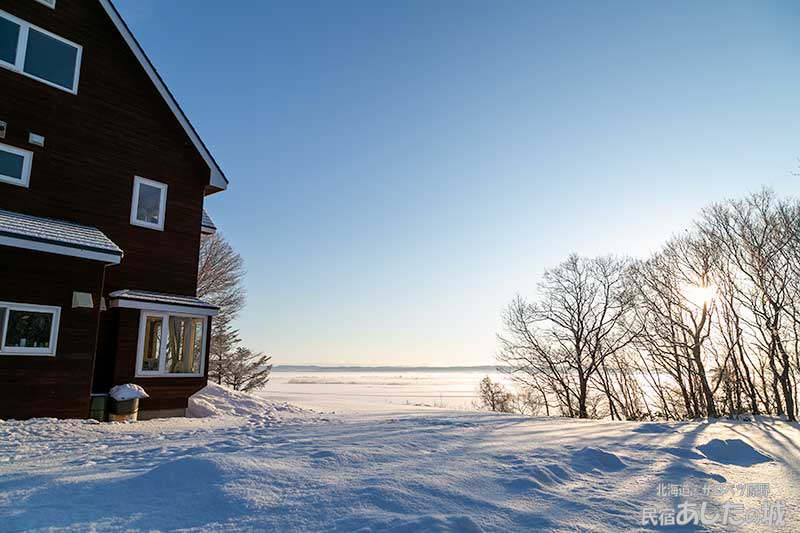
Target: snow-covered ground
279,468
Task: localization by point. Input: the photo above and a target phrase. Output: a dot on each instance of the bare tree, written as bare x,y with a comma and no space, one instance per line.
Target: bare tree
220,281
674,309
494,397
220,275
561,340
757,237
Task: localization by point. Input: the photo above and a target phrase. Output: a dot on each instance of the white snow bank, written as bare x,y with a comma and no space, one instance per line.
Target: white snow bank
128,391
218,400
733,452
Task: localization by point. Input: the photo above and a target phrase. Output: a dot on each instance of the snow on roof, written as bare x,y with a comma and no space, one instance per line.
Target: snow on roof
56,236
208,225
147,297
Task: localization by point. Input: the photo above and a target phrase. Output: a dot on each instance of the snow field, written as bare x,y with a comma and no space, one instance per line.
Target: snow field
257,465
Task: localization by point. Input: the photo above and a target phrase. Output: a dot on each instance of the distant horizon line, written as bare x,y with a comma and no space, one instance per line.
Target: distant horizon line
346,367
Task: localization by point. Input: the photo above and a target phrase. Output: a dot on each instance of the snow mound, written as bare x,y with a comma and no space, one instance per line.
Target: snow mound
176,476
733,452
588,459
128,391
217,400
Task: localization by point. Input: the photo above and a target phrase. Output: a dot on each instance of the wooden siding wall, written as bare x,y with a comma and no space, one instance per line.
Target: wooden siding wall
115,128
50,386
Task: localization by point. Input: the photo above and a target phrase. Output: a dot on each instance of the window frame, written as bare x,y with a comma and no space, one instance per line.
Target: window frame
138,181
162,355
22,45
27,165
36,352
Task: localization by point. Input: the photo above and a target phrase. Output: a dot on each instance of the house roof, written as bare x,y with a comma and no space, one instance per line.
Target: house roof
217,180
56,236
155,301
208,227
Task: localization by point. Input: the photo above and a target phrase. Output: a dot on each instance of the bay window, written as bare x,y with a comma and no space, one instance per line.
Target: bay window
171,345
28,329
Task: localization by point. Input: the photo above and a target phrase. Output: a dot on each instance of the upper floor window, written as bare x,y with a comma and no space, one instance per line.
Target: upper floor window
15,165
149,204
28,329
39,54
48,3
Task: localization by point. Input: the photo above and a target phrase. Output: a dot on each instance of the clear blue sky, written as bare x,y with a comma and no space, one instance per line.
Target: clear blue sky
400,170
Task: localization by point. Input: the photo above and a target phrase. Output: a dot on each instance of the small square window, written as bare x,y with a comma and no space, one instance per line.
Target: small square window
28,329
149,204
15,165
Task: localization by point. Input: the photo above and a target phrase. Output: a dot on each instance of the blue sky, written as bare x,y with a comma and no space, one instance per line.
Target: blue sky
400,170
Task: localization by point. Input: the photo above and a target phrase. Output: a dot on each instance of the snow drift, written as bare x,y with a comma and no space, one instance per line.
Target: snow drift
218,400
733,452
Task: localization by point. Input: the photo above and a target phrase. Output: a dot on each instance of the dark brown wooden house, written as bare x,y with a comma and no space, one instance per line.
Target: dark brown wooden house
102,182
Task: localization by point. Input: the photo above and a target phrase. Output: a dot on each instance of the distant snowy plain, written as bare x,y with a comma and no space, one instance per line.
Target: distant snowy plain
371,390
252,464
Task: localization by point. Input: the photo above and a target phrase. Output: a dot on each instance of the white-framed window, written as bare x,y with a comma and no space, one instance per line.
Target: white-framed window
49,3
171,344
39,54
15,165
28,329
149,203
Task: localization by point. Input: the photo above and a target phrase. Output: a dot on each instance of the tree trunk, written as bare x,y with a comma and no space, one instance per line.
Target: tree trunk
582,399
711,408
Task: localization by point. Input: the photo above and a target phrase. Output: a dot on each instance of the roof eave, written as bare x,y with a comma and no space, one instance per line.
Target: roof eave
53,247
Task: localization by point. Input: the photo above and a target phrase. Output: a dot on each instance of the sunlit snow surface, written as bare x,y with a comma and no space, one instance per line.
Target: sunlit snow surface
277,468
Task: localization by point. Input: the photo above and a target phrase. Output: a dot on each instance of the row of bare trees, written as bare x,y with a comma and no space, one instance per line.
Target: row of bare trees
708,326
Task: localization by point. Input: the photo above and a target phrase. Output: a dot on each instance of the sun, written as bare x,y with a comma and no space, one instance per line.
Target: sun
699,295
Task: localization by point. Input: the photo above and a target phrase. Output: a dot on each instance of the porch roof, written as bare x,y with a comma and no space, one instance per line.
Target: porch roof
56,236
155,301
